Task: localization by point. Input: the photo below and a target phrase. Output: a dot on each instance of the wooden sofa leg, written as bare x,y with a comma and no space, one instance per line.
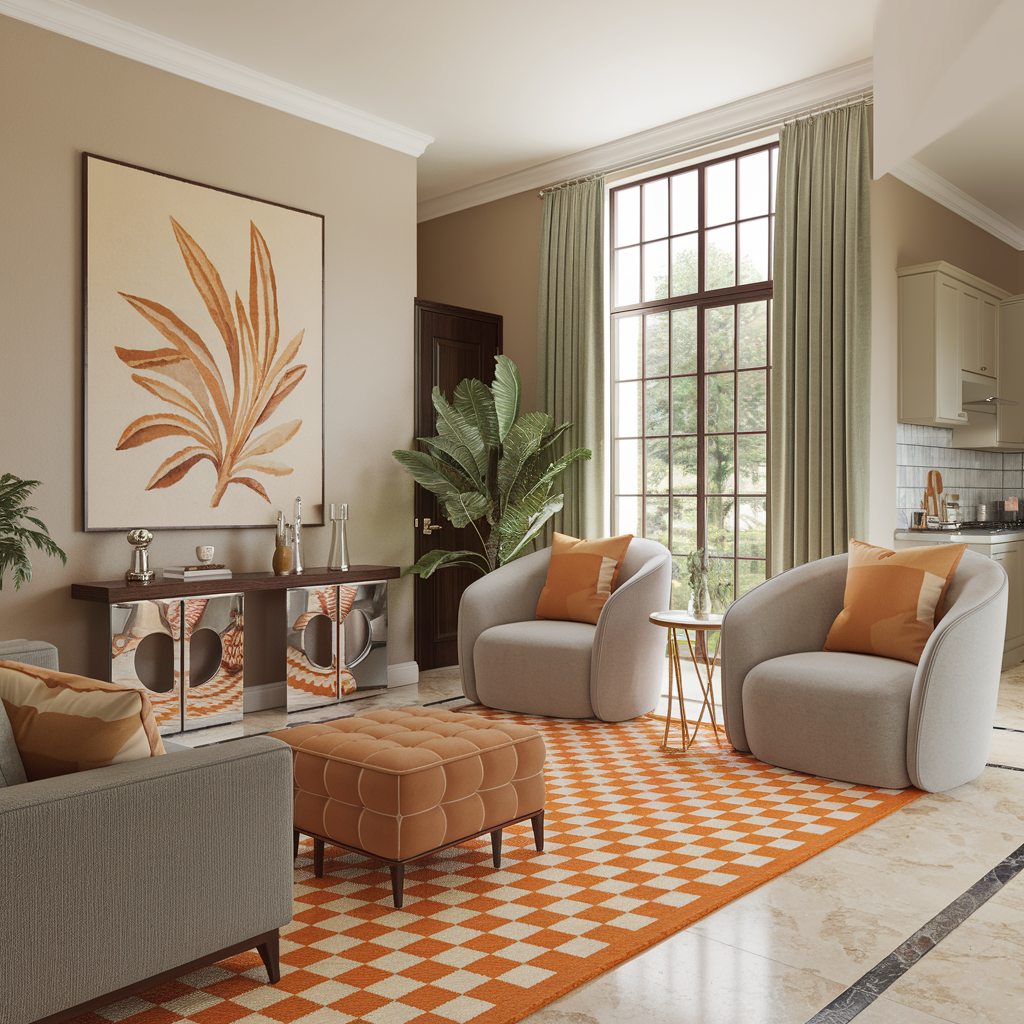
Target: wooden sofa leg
496,847
295,843
538,830
318,857
269,952
397,884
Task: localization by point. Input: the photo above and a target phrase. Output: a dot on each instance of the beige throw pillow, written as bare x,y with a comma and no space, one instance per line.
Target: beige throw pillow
64,723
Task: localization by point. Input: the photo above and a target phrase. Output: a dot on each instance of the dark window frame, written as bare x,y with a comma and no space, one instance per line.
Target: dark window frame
702,300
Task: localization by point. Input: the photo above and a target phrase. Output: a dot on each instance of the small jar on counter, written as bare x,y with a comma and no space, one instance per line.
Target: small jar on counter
953,508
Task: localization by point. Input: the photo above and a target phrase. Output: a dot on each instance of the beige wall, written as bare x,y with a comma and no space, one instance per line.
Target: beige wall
488,258
61,98
908,228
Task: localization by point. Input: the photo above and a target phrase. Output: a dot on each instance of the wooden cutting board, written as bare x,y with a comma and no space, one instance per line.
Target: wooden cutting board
933,495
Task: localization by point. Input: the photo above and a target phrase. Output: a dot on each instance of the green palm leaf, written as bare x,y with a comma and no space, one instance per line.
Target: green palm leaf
473,399
429,473
508,393
433,560
466,508
15,537
453,425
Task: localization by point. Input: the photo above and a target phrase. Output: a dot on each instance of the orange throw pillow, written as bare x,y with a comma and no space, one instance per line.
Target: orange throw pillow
893,599
64,723
581,576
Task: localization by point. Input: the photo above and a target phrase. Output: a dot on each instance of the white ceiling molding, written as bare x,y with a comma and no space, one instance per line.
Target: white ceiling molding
765,111
107,33
926,181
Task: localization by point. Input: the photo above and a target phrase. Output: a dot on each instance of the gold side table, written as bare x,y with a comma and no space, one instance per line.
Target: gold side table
698,645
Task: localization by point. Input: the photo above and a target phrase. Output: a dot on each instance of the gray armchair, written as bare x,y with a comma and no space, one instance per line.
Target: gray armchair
118,878
856,717
612,671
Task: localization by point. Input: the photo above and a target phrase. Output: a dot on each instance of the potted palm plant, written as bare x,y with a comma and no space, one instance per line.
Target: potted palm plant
490,468
19,530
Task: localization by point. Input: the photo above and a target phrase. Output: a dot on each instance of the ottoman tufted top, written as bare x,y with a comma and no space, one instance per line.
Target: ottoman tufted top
396,783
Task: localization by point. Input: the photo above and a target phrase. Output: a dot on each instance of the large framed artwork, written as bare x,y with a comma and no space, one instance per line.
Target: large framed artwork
203,354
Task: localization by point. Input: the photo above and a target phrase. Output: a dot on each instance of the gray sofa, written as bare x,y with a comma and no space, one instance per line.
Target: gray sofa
856,717
613,671
115,879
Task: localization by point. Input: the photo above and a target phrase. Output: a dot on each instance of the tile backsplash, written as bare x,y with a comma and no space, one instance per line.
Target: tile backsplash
975,476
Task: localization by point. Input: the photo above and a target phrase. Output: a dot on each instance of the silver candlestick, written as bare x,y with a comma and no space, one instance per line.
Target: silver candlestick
338,557
297,542
140,571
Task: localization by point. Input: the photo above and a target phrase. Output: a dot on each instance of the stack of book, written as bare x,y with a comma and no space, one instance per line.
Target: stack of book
195,572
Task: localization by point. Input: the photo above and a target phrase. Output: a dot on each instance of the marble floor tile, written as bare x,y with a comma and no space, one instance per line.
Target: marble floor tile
974,975
1007,747
689,979
885,1011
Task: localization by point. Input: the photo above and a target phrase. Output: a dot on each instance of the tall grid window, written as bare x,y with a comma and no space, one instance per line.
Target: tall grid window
691,315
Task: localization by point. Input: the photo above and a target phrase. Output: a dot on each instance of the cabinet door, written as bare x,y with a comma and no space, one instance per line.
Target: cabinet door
1009,557
948,406
988,342
970,329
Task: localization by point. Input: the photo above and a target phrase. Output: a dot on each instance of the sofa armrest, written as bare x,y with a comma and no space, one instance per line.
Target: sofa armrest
509,594
628,663
789,614
113,875
953,703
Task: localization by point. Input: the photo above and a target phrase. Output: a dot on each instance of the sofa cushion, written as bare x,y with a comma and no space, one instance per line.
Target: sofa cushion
893,599
12,771
841,716
516,662
64,723
581,577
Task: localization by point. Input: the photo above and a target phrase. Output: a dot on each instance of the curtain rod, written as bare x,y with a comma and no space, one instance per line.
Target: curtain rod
569,181
867,96
847,101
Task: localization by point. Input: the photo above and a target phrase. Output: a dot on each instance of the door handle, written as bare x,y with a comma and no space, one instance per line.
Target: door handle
429,528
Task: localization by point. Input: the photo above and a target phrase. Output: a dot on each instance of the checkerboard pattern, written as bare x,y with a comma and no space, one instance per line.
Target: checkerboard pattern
640,843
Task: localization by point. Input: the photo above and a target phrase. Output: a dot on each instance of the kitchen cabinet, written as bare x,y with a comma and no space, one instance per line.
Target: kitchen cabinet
948,334
995,427
1006,548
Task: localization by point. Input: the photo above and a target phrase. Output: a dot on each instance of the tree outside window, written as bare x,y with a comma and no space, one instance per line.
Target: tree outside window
691,273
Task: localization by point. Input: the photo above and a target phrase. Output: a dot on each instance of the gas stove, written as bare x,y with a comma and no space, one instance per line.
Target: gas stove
974,526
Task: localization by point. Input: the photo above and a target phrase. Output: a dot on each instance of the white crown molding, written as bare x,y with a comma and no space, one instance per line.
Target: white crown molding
107,33
766,110
926,181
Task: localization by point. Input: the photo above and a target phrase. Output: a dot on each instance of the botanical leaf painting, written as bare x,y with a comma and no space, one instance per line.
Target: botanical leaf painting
225,422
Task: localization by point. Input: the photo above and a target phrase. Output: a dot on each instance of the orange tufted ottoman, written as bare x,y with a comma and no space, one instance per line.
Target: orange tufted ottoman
401,785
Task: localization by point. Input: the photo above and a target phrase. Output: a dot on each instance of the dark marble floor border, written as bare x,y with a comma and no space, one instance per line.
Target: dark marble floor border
863,992
1006,728
1007,767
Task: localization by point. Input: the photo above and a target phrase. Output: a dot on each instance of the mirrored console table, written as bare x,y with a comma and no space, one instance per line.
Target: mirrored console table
183,642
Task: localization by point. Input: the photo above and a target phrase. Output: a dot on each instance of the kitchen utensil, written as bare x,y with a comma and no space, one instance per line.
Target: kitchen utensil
933,496
989,512
917,519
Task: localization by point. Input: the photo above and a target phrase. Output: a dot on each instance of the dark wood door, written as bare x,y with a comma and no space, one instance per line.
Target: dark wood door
451,344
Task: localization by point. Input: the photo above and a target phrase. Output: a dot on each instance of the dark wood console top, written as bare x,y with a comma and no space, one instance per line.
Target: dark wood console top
118,591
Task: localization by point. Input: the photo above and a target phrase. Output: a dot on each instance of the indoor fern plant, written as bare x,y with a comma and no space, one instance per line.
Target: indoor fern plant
490,468
16,536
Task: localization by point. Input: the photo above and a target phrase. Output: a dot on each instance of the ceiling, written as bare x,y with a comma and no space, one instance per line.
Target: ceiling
505,87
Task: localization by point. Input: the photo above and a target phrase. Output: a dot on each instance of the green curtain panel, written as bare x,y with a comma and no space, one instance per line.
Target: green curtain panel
570,344
821,339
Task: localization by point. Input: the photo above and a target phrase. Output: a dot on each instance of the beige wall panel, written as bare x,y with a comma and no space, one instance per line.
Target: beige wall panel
61,98
488,258
908,228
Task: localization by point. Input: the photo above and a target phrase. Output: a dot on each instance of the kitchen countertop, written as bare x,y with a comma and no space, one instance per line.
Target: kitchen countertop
974,536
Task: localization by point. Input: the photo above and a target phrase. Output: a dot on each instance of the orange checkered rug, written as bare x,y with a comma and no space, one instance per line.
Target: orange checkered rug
641,842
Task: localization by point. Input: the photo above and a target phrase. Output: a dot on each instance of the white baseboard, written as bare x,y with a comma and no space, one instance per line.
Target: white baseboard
264,696
405,673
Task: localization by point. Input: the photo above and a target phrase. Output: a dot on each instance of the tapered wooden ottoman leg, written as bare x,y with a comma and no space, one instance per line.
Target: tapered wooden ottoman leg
295,843
269,952
318,857
496,847
538,830
397,883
